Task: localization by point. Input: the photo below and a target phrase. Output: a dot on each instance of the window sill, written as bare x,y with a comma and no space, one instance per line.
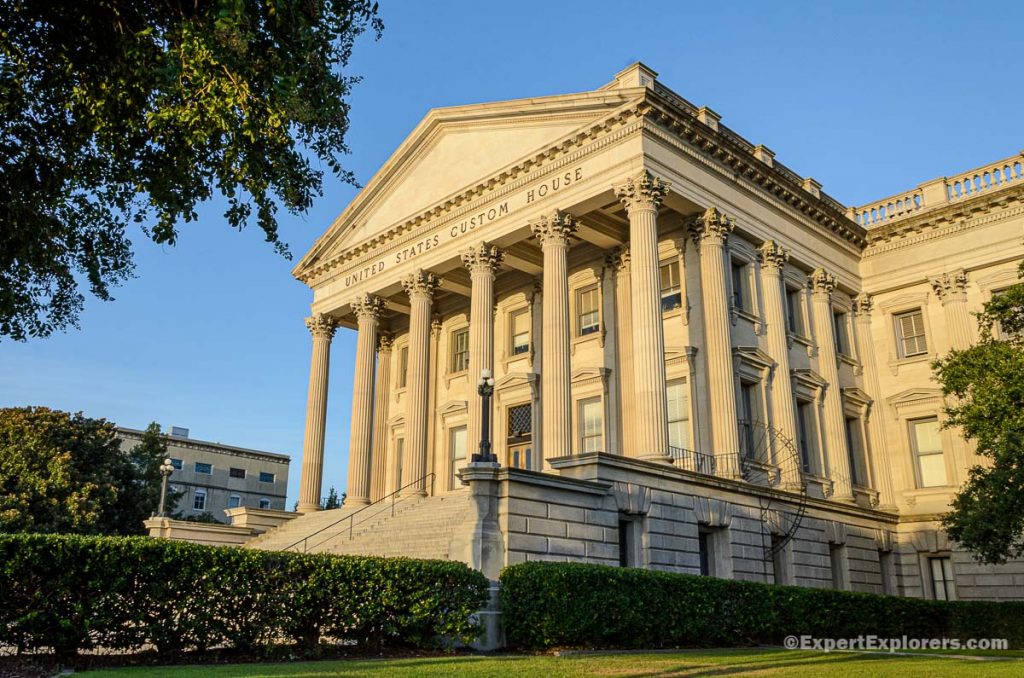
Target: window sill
452,376
749,316
851,361
794,338
585,338
896,363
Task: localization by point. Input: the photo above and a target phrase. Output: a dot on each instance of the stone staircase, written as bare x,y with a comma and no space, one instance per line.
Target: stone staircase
420,528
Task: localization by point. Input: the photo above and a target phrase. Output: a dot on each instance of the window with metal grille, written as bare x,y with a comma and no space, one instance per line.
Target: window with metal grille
460,350
519,322
926,444
236,472
671,292
678,414
520,436
588,312
910,334
591,423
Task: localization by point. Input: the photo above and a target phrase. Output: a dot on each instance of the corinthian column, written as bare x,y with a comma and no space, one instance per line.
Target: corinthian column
367,309
773,258
881,471
710,232
836,452
618,260
641,196
481,261
553,232
322,328
420,287
951,289
382,392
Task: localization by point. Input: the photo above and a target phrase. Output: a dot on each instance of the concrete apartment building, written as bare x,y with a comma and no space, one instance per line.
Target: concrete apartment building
215,477
703,363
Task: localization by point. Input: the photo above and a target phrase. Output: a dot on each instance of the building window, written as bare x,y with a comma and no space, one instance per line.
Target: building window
519,322
588,312
671,292
591,424
460,350
837,557
678,415
457,452
176,464
794,317
403,366
199,502
943,587
840,328
885,570
204,468
266,477
236,472
806,434
234,501
520,436
706,551
926,444
399,454
910,334
627,542
740,286
855,450
264,503
748,416
780,565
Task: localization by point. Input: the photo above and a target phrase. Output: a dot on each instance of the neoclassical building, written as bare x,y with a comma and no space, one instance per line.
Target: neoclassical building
702,362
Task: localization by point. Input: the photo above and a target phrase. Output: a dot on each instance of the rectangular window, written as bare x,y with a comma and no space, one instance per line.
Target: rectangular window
910,334
176,464
794,317
780,564
627,547
806,432
205,469
457,449
591,423
234,501
740,290
266,477
839,326
885,569
519,322
837,557
403,366
199,503
588,313
671,292
236,472
855,449
748,416
705,549
678,414
264,503
942,578
399,454
520,436
926,443
460,350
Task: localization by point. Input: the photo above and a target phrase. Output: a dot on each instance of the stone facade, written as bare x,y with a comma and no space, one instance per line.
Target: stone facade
703,362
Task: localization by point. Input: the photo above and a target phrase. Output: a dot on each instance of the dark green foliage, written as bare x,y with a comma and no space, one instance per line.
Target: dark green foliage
72,593
575,605
331,501
122,113
147,456
984,385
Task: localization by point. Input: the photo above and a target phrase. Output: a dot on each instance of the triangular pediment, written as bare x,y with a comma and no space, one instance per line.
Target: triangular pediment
454,149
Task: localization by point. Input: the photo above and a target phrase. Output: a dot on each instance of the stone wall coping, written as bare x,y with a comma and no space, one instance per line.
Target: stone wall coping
518,475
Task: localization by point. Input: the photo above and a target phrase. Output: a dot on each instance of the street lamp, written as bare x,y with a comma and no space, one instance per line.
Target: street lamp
485,387
166,469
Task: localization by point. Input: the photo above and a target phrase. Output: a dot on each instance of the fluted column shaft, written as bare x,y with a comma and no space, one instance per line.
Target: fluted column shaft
836,450
641,196
951,288
382,393
420,287
773,259
553,232
880,466
367,310
322,328
482,261
710,232
620,263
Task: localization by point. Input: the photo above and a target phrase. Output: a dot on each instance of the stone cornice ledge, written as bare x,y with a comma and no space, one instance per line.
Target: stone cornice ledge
597,487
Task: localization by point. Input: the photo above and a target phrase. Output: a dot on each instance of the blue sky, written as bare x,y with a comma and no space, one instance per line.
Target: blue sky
869,98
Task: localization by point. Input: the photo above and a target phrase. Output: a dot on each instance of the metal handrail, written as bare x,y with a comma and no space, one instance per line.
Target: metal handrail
351,517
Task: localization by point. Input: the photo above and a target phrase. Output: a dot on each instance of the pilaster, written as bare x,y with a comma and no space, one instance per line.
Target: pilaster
951,289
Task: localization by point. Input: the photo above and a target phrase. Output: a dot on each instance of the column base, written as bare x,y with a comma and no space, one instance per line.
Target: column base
305,507
357,501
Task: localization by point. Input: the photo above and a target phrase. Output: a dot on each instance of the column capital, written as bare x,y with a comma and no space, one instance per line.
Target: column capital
618,259
643,191
773,256
482,258
713,227
863,303
322,326
420,284
949,285
367,307
385,342
554,228
822,282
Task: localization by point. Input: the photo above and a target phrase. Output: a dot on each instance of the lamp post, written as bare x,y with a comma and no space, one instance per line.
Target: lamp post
166,469
485,387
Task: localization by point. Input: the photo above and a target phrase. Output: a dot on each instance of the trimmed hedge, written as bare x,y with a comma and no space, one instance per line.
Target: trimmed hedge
596,606
70,593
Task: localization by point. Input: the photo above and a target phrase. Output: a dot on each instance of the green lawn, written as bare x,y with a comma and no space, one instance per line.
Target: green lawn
684,663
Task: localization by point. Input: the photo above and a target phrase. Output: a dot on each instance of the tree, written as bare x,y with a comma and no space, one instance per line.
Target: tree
985,389
67,473
331,501
147,456
116,113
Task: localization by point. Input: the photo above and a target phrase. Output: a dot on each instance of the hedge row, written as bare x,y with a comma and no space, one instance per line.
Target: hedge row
576,605
72,593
